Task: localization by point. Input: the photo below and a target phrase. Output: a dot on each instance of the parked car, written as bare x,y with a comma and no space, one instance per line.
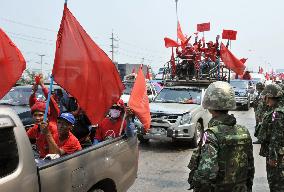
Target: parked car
151,91
110,166
177,115
18,99
244,92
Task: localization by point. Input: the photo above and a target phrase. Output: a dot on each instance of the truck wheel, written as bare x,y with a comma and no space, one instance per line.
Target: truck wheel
196,138
142,140
247,106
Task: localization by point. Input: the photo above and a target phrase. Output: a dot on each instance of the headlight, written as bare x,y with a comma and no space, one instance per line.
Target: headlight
186,118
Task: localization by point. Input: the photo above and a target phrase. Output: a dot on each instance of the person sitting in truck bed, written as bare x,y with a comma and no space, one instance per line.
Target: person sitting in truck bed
64,142
37,110
111,125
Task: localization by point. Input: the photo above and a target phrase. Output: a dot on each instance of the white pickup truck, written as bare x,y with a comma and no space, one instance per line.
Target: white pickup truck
107,167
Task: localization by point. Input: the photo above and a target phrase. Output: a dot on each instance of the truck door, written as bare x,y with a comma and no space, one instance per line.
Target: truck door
17,165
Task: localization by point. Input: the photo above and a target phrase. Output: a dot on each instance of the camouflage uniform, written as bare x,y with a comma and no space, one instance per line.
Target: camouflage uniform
258,101
271,135
225,161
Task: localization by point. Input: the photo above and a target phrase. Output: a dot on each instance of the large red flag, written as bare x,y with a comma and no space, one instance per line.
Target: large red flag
231,61
139,101
243,60
170,43
84,70
180,34
12,64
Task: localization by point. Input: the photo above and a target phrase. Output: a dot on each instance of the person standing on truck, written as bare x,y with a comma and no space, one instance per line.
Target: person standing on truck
111,125
224,160
64,142
37,110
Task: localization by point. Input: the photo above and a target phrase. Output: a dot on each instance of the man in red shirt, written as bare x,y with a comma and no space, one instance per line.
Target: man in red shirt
64,142
37,110
111,125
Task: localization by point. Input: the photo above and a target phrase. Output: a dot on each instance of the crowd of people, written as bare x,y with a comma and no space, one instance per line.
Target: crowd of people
224,160
68,129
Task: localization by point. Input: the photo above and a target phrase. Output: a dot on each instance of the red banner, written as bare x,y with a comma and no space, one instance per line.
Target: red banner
229,34
180,34
170,43
203,27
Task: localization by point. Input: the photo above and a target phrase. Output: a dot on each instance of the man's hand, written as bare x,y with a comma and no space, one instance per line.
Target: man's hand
44,128
272,163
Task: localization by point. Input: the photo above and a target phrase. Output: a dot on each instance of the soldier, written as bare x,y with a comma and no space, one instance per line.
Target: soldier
224,162
258,114
272,138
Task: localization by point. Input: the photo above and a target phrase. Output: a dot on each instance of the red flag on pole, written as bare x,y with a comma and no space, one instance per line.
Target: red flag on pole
84,70
229,34
148,76
203,27
260,70
180,34
139,101
12,64
231,61
133,70
170,43
173,63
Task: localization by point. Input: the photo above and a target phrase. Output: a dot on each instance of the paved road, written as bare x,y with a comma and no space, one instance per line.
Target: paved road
163,165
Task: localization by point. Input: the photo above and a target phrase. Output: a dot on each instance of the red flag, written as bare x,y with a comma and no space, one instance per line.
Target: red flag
180,35
173,63
84,70
203,27
260,71
229,34
184,44
231,61
12,64
170,43
133,70
243,60
139,101
267,76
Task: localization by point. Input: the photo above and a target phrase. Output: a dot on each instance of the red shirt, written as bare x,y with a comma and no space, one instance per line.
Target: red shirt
70,145
108,128
41,143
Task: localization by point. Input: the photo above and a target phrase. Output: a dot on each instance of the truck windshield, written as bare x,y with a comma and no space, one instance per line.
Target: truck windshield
20,96
239,84
179,95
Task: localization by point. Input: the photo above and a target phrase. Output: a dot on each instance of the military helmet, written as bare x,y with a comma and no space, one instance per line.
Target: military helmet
219,96
272,90
259,86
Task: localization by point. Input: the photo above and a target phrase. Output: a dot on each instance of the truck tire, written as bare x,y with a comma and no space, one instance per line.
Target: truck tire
142,140
247,106
196,138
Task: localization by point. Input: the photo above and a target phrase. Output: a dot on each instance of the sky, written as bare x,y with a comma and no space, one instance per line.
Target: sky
141,25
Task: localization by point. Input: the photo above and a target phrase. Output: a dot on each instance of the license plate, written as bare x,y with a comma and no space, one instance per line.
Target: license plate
158,131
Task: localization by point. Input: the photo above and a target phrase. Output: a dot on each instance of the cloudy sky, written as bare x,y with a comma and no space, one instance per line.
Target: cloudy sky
141,25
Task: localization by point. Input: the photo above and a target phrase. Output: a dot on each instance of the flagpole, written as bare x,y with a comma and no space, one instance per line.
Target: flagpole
229,78
177,16
48,99
121,126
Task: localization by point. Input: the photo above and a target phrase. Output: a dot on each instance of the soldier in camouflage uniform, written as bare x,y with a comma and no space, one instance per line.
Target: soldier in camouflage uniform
271,135
259,108
224,162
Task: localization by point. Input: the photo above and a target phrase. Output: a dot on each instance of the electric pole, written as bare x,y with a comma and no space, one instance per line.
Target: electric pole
113,46
41,57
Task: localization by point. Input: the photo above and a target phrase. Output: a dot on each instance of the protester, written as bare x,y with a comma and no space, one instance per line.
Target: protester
64,142
111,126
37,110
247,76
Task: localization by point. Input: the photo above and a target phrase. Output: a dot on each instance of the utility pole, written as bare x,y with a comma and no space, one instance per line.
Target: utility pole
113,46
41,57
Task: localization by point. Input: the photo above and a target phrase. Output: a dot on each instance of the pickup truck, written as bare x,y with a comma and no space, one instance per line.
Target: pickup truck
177,114
107,167
244,92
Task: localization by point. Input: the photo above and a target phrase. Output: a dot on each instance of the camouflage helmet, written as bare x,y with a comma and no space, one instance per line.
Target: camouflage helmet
272,90
219,96
259,86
